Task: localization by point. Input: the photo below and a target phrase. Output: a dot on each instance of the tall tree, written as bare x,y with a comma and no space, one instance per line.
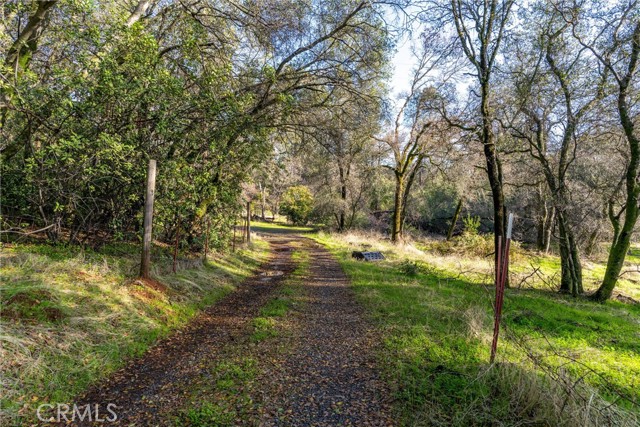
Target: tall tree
616,45
411,133
558,88
480,27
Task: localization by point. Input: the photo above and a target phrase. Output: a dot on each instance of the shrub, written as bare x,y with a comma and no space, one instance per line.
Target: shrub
297,203
471,224
410,268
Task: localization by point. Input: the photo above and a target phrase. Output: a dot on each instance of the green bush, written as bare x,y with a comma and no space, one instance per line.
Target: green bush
471,224
409,268
297,203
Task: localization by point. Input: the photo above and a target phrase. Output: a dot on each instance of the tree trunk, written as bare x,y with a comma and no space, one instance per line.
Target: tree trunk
454,220
19,54
16,62
148,220
248,222
397,218
621,245
545,226
548,228
343,198
592,243
546,219
615,262
494,171
262,202
571,268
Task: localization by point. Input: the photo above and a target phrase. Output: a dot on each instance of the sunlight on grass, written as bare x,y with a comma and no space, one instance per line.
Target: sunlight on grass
279,228
71,317
437,324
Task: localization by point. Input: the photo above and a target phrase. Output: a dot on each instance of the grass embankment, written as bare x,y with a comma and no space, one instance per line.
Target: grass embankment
227,395
561,360
71,317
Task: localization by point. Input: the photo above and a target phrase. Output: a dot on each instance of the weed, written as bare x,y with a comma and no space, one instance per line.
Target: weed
409,268
206,415
471,224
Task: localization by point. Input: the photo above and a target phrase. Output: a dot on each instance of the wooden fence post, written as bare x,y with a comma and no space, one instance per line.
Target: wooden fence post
233,243
175,250
148,220
206,242
248,222
454,220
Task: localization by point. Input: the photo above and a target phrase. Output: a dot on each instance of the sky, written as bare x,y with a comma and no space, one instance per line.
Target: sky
403,62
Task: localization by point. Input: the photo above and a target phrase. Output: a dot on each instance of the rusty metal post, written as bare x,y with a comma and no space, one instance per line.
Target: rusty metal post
502,271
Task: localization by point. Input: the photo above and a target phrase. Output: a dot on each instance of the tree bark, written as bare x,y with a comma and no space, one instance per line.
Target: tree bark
16,61
248,222
343,199
148,220
397,217
621,245
262,201
546,218
19,54
494,171
454,220
571,267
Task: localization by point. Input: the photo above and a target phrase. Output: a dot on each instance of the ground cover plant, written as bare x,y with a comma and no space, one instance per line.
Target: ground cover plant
561,360
70,317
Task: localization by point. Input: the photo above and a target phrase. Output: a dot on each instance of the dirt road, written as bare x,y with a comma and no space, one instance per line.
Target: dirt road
322,372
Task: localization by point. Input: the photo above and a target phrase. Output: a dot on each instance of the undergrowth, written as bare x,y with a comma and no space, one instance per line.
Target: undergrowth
71,317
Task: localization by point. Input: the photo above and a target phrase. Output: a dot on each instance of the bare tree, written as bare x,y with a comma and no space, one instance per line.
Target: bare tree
410,138
616,45
558,87
480,27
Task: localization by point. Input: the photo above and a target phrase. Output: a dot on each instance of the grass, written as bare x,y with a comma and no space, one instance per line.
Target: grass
71,317
471,255
266,324
229,385
561,361
279,228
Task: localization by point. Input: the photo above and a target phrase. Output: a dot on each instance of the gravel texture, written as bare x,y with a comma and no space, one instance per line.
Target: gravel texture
327,375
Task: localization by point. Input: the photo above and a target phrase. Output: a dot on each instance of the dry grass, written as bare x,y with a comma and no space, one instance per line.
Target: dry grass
102,315
537,399
471,257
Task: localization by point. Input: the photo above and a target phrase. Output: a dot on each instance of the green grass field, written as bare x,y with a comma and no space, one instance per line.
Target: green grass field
561,361
71,317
